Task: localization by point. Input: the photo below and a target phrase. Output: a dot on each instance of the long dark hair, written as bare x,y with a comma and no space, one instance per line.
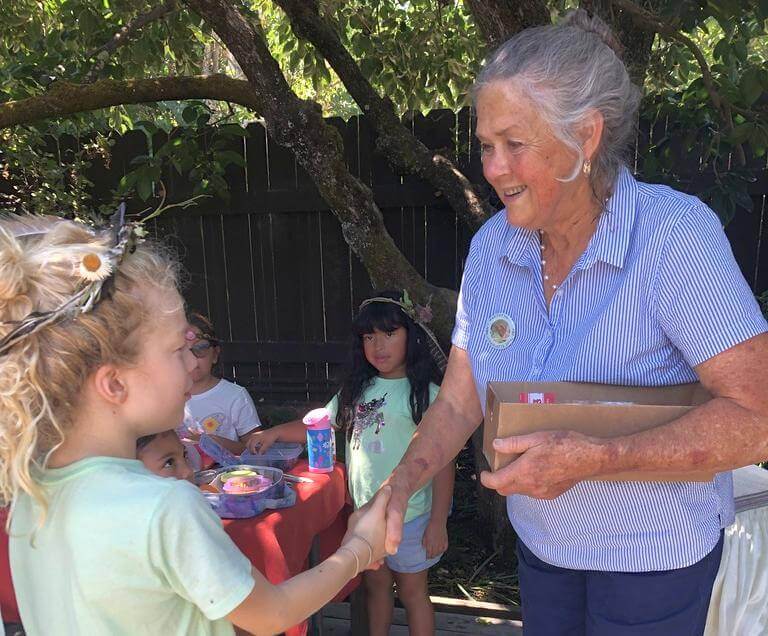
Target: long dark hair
420,367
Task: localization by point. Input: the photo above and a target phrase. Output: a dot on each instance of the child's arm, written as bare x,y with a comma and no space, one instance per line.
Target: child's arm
436,533
293,431
233,446
271,609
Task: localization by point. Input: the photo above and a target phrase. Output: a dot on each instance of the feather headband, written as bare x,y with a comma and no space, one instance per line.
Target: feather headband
97,269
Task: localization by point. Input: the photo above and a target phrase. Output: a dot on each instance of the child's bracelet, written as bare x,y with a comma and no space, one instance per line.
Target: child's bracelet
370,548
357,559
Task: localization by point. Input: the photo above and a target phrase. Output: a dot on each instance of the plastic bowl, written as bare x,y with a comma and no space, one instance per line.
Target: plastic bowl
242,506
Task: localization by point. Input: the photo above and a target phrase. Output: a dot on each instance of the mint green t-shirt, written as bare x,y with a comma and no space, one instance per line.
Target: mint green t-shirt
123,552
381,432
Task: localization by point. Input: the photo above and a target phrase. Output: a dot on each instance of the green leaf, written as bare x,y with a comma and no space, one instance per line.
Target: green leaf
189,115
742,133
226,157
144,187
323,71
751,85
139,159
295,58
127,181
722,50
740,49
743,200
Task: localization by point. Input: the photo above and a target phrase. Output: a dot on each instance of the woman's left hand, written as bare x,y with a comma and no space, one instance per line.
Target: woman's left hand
550,463
435,539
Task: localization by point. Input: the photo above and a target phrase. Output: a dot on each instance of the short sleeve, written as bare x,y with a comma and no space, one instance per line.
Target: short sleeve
244,415
702,301
189,548
333,409
434,389
461,327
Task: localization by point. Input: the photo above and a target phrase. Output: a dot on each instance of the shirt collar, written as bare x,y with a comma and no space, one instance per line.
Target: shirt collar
610,242
519,244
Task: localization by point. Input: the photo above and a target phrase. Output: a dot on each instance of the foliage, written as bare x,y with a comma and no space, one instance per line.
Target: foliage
422,54
194,148
733,38
42,173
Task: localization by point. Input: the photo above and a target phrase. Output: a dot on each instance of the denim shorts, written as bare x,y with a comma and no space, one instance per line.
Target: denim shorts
411,556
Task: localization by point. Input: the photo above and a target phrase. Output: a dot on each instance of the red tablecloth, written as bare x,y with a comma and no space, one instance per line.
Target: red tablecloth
277,542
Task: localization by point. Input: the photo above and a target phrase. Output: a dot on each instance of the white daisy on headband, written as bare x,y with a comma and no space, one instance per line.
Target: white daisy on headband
94,267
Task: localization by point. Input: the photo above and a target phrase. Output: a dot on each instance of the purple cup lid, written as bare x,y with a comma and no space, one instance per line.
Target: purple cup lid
316,418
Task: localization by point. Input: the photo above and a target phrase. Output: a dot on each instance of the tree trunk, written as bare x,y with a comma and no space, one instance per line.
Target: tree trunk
406,153
299,126
636,42
498,20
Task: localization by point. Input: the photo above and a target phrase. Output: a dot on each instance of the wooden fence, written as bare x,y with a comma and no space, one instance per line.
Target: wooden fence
272,269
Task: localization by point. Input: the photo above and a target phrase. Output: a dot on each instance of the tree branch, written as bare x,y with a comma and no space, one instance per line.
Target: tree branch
299,125
498,20
126,33
647,20
64,98
404,151
636,43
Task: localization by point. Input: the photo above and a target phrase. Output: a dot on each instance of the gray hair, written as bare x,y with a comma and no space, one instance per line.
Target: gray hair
567,71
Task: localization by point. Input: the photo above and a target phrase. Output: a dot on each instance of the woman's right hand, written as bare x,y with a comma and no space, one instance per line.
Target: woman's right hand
368,524
260,441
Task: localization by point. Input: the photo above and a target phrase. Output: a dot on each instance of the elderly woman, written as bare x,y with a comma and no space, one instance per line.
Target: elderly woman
588,275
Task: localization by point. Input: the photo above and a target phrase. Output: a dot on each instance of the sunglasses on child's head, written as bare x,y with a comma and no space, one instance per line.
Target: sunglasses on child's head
202,343
201,348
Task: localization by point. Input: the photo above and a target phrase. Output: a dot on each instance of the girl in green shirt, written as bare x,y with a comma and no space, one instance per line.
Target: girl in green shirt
393,377
95,354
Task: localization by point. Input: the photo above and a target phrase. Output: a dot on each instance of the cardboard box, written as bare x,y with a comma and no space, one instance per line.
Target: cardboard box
598,410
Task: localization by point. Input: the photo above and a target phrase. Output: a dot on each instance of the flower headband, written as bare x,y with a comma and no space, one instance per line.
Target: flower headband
97,269
421,315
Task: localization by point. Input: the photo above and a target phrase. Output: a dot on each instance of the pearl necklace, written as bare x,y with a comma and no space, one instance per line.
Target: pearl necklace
544,262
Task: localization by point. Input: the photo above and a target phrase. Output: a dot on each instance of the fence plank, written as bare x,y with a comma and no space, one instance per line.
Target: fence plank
336,265
240,284
216,275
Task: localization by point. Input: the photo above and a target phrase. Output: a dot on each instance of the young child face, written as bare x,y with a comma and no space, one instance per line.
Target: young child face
165,456
159,383
207,358
386,351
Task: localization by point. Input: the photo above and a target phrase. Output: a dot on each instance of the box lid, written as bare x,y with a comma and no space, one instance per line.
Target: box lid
579,392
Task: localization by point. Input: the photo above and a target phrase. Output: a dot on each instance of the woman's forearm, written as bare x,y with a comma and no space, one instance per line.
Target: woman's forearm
729,431
442,491
719,435
439,437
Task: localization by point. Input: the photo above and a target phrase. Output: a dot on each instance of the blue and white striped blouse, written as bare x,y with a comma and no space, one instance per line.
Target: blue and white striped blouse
656,292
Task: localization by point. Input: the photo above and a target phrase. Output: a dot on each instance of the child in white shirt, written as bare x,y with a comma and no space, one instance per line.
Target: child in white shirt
217,407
